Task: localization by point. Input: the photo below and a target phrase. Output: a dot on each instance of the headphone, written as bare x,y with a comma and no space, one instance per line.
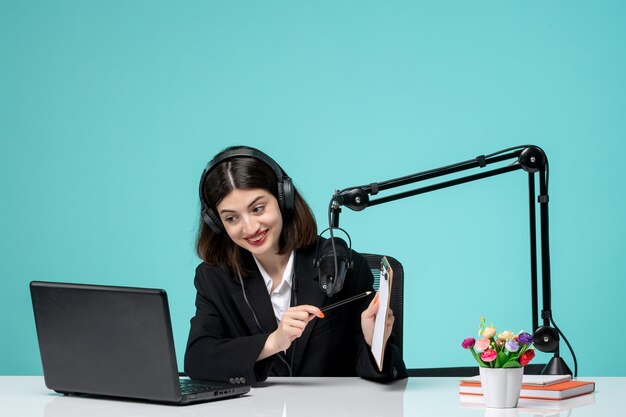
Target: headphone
286,192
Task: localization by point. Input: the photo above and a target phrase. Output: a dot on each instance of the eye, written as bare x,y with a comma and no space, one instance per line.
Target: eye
230,219
258,209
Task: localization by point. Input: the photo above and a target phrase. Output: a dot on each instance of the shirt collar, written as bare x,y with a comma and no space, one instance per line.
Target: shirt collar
287,274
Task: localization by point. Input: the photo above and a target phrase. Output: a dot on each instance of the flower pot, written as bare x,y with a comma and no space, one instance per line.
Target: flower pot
501,386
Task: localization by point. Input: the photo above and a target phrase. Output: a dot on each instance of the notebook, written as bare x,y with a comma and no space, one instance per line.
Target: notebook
534,380
115,342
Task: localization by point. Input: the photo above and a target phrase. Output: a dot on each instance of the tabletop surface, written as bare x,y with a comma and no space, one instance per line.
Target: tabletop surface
311,397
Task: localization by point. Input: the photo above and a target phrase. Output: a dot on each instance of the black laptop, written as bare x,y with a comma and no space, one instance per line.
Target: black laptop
113,341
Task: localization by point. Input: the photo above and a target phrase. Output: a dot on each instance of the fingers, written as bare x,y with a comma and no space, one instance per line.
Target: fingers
288,330
295,320
390,319
375,300
368,320
372,309
389,324
308,309
369,314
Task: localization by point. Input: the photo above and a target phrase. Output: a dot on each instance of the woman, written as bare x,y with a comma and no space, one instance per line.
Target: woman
258,296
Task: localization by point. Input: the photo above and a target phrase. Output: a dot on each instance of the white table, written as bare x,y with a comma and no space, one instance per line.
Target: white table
311,397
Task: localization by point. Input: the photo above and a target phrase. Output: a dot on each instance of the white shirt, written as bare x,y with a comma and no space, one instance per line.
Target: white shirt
281,296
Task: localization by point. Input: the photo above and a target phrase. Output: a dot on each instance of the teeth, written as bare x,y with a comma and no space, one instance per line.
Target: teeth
257,238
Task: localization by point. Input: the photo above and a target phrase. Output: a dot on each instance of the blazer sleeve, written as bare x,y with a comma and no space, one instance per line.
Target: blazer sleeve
393,365
218,348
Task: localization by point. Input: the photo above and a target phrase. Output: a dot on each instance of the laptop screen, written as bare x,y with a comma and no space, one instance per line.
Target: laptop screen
105,340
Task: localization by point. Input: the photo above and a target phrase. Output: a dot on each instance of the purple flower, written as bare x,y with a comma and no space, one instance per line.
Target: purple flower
468,343
512,345
524,338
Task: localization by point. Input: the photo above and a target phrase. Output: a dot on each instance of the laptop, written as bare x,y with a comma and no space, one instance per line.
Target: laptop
115,342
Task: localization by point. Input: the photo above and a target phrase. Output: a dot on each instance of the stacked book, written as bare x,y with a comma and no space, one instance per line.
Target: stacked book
532,406
542,387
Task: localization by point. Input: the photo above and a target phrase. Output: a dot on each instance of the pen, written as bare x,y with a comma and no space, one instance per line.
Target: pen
347,300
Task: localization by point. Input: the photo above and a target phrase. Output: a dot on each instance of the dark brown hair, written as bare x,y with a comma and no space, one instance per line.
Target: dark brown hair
245,173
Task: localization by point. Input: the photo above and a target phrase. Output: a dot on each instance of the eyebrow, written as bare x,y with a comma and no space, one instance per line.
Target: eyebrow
249,205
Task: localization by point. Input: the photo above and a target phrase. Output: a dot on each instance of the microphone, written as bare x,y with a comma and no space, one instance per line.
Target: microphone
331,278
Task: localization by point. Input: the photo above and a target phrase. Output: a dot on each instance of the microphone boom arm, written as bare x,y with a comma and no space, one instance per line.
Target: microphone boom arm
529,158
357,198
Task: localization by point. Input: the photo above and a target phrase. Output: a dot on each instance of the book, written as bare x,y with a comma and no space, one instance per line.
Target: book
543,380
530,379
381,333
533,405
555,391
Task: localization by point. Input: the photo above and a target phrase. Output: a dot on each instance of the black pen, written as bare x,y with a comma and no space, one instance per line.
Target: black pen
347,300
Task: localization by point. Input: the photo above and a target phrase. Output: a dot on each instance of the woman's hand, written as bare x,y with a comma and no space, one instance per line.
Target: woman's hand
368,319
290,328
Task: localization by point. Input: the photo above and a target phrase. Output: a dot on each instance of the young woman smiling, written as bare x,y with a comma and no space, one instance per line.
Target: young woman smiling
258,298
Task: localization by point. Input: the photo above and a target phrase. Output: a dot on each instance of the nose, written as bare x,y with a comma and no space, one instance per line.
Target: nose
250,225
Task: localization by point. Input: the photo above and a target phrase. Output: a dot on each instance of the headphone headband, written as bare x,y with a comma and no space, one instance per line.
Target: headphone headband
286,194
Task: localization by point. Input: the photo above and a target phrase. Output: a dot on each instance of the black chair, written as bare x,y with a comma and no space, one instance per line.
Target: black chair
397,306
397,291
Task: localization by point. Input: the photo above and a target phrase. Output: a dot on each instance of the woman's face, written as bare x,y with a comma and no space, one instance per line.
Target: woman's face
252,220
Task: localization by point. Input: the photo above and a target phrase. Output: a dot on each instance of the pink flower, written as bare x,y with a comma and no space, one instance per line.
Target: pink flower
488,355
468,343
527,357
482,344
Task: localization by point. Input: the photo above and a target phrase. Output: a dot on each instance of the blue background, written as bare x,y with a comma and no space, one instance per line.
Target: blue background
110,110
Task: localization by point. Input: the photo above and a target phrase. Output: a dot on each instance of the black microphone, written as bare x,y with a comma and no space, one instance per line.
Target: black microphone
331,279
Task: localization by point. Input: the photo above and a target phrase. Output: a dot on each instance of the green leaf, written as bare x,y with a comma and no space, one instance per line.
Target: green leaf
478,358
512,364
501,359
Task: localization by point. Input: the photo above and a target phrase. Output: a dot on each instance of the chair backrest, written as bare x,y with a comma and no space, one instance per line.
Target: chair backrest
397,291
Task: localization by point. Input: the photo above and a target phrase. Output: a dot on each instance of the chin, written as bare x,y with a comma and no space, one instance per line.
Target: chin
260,251
266,249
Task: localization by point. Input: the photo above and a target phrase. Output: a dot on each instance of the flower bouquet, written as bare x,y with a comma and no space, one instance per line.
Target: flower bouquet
501,359
505,350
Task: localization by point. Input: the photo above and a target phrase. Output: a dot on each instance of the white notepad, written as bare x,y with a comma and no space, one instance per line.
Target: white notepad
539,380
384,295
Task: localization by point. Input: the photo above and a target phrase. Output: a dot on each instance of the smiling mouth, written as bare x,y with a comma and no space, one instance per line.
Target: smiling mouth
257,239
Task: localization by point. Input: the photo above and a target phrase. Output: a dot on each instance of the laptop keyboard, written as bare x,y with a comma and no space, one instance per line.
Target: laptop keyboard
188,386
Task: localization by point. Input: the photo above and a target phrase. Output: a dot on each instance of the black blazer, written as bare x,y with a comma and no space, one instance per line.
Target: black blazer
225,340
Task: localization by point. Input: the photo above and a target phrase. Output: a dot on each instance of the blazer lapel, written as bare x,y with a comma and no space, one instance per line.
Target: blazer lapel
260,304
308,292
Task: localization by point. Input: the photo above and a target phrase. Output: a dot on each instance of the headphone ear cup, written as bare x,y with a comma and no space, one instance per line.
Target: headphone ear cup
546,339
288,194
281,198
211,220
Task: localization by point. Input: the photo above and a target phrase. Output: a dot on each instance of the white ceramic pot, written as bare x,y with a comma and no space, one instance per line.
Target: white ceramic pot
501,386
504,412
